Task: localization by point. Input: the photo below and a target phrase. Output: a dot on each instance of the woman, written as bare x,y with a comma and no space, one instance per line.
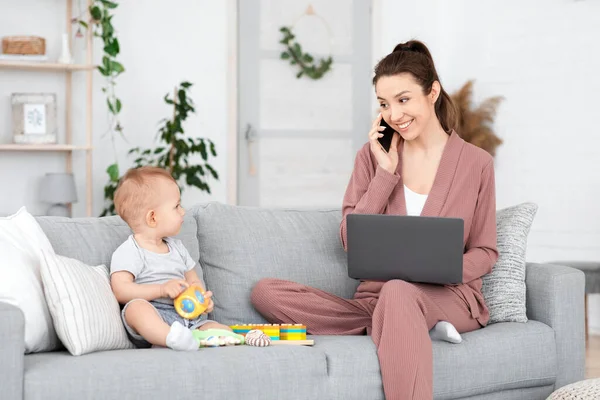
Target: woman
429,171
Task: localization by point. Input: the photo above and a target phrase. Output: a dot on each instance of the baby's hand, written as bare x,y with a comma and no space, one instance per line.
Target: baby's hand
208,296
173,288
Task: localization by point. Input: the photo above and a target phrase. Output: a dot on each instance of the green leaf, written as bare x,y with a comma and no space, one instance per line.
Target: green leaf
109,4
285,55
186,84
213,151
104,72
96,13
110,106
299,74
119,105
182,97
83,23
113,172
107,29
117,67
159,150
307,58
112,48
212,171
202,148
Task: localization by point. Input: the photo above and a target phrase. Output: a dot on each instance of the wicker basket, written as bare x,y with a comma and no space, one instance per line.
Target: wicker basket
24,45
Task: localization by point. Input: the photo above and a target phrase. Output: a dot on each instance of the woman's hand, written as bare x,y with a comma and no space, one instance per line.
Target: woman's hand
389,160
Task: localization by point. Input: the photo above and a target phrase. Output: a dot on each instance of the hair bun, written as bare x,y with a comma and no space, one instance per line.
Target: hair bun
414,46
403,47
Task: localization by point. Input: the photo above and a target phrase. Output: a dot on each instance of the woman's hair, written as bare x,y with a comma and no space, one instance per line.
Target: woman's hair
414,58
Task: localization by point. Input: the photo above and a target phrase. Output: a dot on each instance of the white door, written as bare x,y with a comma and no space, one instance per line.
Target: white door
298,137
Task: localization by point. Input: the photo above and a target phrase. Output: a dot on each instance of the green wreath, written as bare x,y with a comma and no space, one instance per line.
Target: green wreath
304,60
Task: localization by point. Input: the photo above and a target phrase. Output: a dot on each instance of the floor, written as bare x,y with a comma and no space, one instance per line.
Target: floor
592,357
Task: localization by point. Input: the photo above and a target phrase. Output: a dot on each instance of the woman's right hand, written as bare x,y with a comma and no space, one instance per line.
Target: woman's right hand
173,288
389,160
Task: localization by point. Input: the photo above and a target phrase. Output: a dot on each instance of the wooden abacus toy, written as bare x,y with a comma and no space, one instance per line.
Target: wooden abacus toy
280,334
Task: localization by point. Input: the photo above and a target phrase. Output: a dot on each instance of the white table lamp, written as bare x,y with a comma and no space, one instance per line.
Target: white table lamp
58,189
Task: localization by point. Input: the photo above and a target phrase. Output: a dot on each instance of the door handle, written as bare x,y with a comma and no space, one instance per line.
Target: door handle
250,136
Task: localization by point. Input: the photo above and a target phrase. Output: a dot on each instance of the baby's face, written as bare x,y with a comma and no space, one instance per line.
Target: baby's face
169,213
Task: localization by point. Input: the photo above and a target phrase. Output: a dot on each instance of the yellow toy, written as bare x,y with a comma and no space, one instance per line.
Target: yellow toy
284,332
271,330
191,303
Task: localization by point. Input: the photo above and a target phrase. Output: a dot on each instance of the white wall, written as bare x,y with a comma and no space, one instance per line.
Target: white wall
539,54
543,57
162,44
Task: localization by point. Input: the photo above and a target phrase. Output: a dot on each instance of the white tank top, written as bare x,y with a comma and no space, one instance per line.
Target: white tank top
414,201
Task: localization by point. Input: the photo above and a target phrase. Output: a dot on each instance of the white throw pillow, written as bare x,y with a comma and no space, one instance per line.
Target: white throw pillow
21,242
86,314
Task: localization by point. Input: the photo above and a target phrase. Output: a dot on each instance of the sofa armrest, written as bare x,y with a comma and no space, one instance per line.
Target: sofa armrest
555,297
12,349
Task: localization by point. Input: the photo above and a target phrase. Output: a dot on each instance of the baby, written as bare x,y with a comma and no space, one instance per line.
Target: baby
151,268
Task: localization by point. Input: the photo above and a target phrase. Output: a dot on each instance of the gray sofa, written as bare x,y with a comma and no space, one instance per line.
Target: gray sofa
237,246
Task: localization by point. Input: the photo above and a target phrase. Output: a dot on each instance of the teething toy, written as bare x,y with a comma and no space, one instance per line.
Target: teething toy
191,303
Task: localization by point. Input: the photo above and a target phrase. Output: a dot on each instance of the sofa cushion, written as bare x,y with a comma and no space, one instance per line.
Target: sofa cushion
21,243
504,288
93,240
212,373
241,245
499,357
85,313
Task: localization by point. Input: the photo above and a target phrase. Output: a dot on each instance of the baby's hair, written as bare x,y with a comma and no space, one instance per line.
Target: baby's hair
135,191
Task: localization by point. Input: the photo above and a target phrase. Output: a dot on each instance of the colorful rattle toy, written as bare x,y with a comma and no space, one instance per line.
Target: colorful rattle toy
191,303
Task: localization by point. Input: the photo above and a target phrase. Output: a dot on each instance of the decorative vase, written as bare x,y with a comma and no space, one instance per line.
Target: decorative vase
65,56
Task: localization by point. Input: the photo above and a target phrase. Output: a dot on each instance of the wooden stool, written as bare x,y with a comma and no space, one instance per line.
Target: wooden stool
591,270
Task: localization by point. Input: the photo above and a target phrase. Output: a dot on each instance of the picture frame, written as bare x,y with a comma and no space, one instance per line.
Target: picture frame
34,118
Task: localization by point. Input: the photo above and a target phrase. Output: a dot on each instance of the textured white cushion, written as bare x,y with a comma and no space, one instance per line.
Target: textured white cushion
21,241
504,288
586,389
86,313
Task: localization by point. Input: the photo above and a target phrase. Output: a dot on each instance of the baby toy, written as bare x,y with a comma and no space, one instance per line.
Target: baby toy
217,337
191,303
271,330
292,332
257,338
284,334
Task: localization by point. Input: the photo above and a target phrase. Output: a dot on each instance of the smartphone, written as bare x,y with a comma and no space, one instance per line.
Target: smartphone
388,134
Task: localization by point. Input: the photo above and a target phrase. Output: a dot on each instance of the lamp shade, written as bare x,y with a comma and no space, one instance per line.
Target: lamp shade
58,188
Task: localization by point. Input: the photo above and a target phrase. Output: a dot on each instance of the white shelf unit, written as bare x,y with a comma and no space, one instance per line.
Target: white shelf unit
68,69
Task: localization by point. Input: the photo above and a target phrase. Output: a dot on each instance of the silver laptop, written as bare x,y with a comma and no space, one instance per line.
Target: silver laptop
411,248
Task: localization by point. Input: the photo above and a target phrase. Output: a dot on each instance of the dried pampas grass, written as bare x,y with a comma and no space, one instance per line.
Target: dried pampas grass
475,124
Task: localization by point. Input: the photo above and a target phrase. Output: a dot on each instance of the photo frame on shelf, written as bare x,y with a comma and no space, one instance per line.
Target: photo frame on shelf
34,118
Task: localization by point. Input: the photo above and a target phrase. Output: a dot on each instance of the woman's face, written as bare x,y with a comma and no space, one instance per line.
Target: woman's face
404,106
